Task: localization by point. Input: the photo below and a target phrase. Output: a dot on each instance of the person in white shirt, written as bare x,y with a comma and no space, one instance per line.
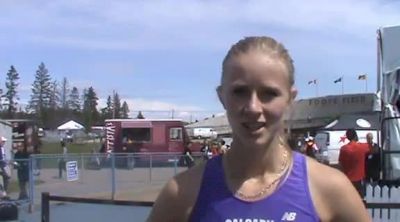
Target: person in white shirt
3,168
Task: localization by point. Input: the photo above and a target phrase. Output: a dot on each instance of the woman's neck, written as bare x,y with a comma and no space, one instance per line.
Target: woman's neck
243,162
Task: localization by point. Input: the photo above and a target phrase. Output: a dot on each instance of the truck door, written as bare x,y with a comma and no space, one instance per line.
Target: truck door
322,141
175,141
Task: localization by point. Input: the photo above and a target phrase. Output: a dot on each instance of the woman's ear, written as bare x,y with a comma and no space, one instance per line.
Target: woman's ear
220,96
293,93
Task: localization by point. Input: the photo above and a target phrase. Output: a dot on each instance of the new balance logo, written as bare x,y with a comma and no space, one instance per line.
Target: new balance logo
289,216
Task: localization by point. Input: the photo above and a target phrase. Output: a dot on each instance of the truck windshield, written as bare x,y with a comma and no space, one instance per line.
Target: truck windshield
175,133
131,135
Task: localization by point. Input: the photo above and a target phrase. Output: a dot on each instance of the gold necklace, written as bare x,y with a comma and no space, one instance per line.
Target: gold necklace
261,193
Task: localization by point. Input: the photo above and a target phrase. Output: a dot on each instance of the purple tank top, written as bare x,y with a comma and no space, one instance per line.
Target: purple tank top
290,202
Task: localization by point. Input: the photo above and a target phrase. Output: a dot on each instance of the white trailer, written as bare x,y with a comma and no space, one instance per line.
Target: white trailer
329,142
389,89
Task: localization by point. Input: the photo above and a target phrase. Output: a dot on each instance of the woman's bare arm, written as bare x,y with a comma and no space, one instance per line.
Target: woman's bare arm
334,196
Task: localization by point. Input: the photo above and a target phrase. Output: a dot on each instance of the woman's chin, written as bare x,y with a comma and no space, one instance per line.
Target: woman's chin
256,142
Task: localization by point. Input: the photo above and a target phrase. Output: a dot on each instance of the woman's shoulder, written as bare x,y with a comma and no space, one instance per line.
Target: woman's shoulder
324,176
333,194
177,198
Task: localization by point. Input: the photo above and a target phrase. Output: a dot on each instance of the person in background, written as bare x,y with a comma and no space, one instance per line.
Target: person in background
21,158
224,148
310,148
205,150
187,155
61,161
36,150
260,178
352,160
4,171
215,149
94,159
373,161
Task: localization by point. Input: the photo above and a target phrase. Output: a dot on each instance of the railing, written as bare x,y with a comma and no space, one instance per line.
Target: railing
46,198
383,203
107,176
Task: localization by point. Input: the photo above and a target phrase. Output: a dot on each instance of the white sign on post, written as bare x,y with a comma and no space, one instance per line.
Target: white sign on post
72,170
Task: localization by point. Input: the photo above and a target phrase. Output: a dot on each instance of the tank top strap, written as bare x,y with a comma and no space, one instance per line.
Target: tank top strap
296,185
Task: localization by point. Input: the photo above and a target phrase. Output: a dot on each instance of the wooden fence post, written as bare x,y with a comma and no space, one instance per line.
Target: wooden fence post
45,207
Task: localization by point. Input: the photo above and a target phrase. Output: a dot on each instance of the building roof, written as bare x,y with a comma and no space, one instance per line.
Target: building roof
70,125
316,112
356,121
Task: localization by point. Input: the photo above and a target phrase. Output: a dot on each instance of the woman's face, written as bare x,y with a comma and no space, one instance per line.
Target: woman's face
255,93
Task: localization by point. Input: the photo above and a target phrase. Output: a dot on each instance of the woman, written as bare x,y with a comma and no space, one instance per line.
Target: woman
21,157
259,178
310,148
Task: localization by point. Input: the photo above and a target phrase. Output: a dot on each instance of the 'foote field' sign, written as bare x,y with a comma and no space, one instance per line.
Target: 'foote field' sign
72,170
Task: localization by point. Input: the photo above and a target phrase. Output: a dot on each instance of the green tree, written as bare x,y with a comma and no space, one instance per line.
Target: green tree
11,93
106,112
125,110
90,113
54,99
74,102
41,93
116,106
109,108
64,92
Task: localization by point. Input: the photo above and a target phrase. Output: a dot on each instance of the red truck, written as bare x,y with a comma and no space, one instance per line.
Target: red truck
141,136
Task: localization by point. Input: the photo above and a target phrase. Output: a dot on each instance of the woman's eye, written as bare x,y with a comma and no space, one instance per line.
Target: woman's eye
239,91
269,94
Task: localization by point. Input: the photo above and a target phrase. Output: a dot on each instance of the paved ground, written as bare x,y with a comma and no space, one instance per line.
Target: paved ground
140,184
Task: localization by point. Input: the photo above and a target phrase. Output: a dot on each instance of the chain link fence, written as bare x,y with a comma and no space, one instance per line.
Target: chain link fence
119,176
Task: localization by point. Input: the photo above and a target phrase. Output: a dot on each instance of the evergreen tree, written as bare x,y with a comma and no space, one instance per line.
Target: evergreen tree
11,93
140,115
90,113
64,93
54,99
74,103
125,110
116,106
106,112
41,92
109,108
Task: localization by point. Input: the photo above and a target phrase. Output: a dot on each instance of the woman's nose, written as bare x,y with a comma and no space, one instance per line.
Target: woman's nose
254,104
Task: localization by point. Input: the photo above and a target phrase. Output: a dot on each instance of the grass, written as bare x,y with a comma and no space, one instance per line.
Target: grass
55,147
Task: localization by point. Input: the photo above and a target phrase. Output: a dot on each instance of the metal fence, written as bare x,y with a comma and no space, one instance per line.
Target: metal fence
139,177
119,176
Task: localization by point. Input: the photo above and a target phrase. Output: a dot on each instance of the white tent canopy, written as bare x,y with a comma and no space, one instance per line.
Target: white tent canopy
70,125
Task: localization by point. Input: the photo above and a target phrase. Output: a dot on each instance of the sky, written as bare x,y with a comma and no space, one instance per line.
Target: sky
164,57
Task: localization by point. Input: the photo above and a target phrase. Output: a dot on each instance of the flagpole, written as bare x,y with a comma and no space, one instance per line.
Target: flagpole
342,85
316,88
366,85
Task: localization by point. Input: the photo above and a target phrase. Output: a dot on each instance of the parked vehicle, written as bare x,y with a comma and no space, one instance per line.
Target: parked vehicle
329,143
202,133
141,136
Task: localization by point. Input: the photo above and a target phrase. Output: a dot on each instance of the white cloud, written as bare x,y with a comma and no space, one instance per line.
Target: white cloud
154,105
128,25
160,109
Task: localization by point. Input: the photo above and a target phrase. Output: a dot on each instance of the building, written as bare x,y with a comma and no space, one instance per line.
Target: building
309,115
6,131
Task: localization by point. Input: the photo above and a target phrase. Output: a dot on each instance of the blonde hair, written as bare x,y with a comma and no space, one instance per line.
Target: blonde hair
264,44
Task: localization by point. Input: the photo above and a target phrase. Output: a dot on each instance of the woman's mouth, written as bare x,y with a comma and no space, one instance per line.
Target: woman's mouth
254,127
